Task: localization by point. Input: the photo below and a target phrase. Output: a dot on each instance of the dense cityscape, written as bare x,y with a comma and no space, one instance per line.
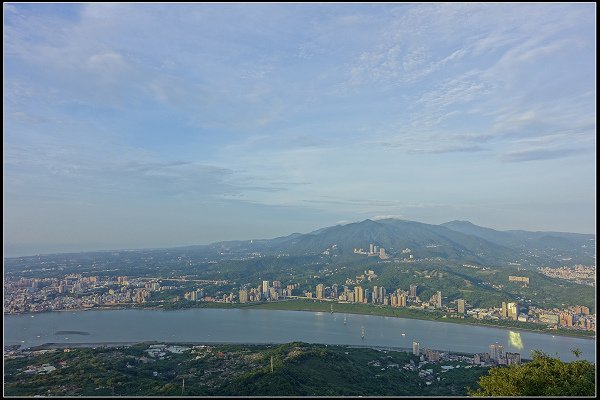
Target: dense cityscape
77,292
578,273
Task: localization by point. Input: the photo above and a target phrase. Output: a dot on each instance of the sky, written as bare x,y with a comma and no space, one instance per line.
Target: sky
156,125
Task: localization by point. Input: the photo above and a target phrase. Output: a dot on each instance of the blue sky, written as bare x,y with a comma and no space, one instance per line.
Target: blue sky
149,125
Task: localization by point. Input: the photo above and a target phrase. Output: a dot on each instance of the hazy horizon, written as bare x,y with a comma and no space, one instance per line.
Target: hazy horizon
163,125
49,249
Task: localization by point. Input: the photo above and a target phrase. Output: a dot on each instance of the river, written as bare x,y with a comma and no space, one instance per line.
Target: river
274,326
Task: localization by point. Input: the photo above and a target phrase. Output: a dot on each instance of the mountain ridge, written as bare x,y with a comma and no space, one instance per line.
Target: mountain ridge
460,241
454,240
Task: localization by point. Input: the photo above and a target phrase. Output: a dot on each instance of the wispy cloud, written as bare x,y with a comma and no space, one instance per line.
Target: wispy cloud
294,107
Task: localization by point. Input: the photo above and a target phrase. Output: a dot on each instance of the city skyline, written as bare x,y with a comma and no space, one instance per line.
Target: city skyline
235,121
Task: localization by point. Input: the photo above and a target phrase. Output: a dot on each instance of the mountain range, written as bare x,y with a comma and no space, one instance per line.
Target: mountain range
455,240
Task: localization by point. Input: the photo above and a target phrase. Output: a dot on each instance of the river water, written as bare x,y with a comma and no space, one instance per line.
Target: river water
274,326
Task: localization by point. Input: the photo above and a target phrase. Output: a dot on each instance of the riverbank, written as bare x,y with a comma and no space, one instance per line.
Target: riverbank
369,309
255,325
345,308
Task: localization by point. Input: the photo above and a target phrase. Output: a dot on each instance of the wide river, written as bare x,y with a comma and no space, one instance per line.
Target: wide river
271,326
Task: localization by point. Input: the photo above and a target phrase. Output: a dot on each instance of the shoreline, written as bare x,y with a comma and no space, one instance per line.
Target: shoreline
258,306
449,320
463,323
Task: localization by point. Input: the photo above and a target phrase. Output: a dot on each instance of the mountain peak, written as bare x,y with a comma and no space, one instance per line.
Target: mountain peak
459,222
368,221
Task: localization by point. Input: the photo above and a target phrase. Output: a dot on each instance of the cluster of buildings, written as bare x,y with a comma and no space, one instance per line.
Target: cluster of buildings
74,292
572,317
522,279
577,273
267,292
161,350
575,317
77,292
494,357
374,251
194,295
374,295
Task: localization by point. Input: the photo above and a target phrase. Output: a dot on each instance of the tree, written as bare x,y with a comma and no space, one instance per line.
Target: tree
543,376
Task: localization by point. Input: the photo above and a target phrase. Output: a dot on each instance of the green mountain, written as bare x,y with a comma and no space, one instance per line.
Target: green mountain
456,240
459,241
424,241
550,247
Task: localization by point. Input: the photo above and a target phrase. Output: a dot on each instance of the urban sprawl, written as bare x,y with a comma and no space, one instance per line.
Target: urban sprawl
77,292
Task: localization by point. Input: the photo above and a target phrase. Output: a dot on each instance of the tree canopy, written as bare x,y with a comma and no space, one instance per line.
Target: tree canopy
543,376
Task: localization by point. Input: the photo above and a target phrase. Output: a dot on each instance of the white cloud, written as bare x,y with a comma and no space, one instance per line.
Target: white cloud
391,216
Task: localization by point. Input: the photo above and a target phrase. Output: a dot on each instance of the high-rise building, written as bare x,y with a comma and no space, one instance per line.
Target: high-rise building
496,351
416,348
381,295
504,311
512,311
413,290
243,296
350,296
359,294
320,290
402,300
375,294
513,358
367,295
265,289
334,291
142,295
438,300
273,294
566,319
382,253
371,248
432,355
461,306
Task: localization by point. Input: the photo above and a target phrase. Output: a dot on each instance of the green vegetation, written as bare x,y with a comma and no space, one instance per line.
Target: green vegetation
478,286
475,284
298,369
544,376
